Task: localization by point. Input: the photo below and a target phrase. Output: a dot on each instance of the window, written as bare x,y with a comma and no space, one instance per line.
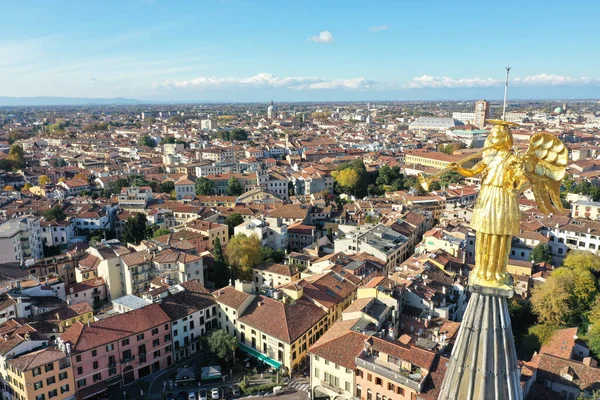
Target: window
166,327
110,347
378,382
79,370
358,391
317,372
52,393
316,358
49,367
95,364
167,338
94,353
62,376
140,336
347,386
400,391
156,342
40,397
81,383
50,381
155,331
37,371
64,389
369,377
97,377
38,385
124,342
369,395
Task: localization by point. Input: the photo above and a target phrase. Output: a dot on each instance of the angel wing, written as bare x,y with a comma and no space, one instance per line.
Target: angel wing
544,165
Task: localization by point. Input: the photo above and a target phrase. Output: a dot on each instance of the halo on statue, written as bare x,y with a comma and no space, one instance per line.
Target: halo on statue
501,122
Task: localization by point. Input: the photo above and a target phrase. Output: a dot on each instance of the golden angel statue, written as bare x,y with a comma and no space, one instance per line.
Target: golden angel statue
505,173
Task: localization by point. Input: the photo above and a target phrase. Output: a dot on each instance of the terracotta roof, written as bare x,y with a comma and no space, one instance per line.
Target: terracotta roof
414,355
579,375
230,297
193,299
561,343
35,359
293,320
279,269
85,285
85,337
340,345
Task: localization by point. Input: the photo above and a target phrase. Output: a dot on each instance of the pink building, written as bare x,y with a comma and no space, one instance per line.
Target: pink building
119,349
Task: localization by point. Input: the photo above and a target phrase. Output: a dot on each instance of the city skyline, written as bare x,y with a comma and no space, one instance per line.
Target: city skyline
231,51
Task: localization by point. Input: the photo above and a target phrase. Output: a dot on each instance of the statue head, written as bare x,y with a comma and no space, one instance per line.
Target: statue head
499,138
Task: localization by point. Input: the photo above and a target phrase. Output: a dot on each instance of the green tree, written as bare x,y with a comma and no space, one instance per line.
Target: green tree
565,298
582,259
44,180
541,253
136,228
167,187
161,232
233,220
146,140
222,344
243,253
238,134
204,187
268,254
347,179
16,155
56,213
595,396
234,187
59,163
218,250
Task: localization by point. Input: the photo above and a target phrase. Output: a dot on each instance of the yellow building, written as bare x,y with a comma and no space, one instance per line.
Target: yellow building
519,267
41,374
250,319
274,275
66,316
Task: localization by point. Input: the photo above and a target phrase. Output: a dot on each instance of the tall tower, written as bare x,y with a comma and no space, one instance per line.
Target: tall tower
508,68
482,112
272,111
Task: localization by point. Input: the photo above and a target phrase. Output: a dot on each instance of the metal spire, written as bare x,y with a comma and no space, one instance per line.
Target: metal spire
508,68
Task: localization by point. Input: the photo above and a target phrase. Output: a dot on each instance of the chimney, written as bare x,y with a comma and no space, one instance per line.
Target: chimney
590,362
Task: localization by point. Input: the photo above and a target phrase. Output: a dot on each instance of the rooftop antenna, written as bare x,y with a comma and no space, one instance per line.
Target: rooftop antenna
508,68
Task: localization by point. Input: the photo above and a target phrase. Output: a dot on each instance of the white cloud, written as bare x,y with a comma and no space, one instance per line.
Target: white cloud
93,79
379,28
427,81
265,80
554,80
324,37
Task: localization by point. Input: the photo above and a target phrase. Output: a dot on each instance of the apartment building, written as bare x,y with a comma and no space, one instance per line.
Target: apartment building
41,374
210,229
119,349
21,239
272,232
273,275
193,312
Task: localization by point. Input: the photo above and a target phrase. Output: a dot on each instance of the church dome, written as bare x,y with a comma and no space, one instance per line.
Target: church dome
558,110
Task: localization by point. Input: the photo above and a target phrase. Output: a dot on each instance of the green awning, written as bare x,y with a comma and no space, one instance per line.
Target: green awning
260,356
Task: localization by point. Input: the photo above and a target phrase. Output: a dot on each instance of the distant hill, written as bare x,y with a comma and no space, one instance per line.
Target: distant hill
65,101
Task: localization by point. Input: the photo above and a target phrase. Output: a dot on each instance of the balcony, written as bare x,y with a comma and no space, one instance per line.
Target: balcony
128,359
329,386
396,375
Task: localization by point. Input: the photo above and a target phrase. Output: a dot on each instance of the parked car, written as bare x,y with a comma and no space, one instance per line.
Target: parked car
202,394
192,396
214,394
236,391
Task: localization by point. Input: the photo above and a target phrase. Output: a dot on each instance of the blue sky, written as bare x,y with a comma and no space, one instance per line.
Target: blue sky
255,50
